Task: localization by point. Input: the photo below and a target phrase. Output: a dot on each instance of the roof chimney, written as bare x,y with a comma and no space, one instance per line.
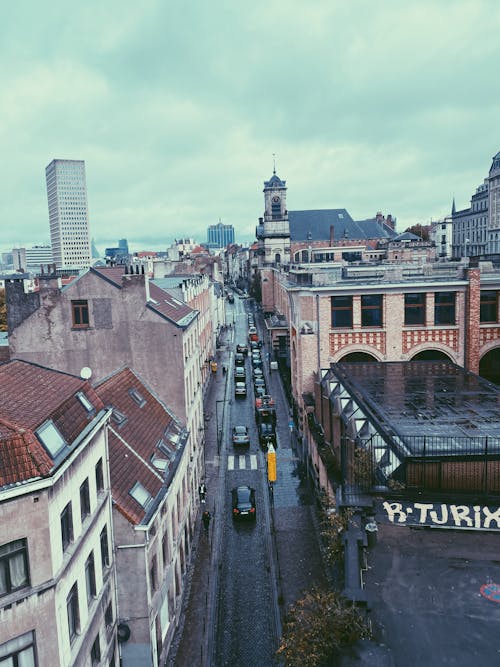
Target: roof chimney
332,235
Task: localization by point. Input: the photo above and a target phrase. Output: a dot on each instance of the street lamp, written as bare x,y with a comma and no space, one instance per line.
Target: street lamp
219,430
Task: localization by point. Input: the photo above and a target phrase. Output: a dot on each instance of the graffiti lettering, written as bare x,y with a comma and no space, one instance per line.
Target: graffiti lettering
443,514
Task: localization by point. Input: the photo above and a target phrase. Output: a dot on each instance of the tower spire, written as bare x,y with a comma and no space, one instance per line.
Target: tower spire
453,208
274,164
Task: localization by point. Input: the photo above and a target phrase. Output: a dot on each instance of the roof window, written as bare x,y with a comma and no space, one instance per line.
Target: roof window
118,417
161,464
137,397
85,401
141,495
50,438
165,449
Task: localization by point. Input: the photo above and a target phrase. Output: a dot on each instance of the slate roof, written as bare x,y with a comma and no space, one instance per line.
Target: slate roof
170,307
112,273
315,226
133,443
30,396
274,181
406,236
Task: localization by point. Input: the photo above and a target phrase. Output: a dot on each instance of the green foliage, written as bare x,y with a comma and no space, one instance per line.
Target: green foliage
332,526
317,627
3,311
419,230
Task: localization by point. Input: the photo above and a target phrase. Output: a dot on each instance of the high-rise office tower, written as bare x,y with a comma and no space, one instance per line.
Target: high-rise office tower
68,213
220,236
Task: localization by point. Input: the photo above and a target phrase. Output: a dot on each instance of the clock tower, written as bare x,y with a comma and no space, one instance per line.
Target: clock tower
273,231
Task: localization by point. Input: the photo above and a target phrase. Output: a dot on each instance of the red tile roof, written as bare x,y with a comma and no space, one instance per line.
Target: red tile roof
133,444
30,396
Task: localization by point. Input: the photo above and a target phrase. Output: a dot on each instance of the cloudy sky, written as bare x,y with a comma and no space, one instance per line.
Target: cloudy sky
177,107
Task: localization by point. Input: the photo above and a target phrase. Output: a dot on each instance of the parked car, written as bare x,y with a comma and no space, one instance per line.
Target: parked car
257,372
260,392
240,435
267,434
239,359
256,362
259,383
240,389
242,349
230,298
239,373
243,498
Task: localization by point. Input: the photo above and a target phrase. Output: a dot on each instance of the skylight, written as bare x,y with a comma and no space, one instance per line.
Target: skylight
118,417
141,495
51,439
137,397
161,464
85,401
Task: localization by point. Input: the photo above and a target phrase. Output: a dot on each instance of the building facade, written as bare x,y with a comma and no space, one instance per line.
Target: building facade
57,570
220,236
68,213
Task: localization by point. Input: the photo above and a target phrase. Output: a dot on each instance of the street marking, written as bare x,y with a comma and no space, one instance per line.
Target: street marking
230,462
253,461
242,465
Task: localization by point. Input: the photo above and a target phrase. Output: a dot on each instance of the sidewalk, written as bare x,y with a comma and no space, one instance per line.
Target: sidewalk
297,569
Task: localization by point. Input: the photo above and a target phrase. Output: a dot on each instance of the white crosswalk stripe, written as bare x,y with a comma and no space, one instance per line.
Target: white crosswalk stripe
243,461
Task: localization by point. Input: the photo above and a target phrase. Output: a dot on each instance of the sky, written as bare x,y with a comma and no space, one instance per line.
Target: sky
177,108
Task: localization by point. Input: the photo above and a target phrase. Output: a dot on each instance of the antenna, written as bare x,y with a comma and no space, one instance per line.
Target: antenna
86,373
274,164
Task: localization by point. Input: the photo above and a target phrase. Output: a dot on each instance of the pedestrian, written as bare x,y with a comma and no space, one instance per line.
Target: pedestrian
205,517
202,490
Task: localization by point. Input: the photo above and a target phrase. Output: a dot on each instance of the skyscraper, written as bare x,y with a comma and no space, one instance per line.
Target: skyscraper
68,213
220,236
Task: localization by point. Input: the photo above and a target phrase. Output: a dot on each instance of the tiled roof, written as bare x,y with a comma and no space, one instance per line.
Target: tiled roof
32,395
168,306
133,444
112,273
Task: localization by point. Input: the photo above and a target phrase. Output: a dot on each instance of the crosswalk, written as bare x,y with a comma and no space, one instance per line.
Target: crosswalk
242,462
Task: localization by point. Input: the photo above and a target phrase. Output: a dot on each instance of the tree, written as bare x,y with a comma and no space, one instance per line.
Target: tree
3,311
318,627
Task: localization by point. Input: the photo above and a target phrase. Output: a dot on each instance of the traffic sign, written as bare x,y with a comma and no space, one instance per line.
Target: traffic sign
290,425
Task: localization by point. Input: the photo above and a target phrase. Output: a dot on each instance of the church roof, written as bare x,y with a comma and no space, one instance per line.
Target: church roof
274,181
315,226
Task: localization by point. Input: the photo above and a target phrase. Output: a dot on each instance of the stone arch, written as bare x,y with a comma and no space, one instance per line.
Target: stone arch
447,353
358,356
489,365
431,355
356,350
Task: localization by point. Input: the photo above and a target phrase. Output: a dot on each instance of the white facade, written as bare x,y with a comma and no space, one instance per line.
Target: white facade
68,213
34,257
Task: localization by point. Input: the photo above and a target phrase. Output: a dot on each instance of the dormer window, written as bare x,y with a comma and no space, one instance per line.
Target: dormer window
50,438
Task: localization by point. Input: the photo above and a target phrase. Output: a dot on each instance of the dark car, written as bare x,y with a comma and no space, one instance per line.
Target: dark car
239,373
239,359
242,349
240,435
267,435
243,502
256,362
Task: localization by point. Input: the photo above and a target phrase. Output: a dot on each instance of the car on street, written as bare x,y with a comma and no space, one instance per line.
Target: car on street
259,383
239,359
256,362
240,435
239,373
257,372
259,392
242,349
243,501
267,435
240,389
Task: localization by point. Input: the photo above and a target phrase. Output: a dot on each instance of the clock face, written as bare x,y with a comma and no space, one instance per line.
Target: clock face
276,200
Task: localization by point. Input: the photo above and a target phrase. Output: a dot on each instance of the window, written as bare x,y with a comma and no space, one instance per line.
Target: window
85,401
342,311
73,613
118,417
371,310
19,652
153,575
137,397
51,439
489,306
80,314
165,550
444,308
415,308
104,547
99,476
140,494
108,616
95,651
66,526
13,566
84,499
90,578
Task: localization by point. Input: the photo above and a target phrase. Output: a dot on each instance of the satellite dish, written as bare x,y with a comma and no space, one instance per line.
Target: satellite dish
85,373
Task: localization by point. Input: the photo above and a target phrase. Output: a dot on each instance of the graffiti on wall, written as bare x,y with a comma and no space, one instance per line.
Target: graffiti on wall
444,515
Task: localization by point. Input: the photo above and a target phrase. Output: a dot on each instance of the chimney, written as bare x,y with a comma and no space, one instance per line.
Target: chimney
379,216
332,235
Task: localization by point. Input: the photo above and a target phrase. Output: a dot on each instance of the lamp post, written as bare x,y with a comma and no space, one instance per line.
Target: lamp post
219,430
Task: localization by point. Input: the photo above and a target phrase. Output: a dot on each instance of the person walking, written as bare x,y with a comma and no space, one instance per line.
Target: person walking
205,517
202,490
